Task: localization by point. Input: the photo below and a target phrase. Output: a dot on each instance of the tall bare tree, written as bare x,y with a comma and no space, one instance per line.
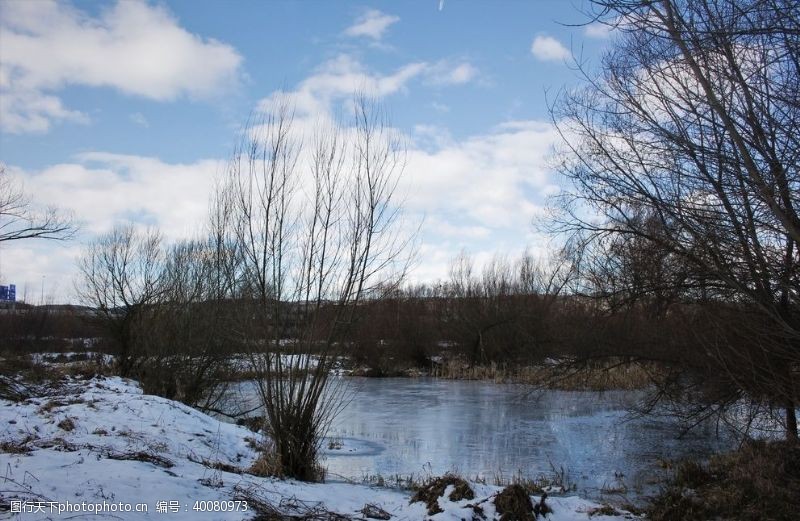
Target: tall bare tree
312,222
683,158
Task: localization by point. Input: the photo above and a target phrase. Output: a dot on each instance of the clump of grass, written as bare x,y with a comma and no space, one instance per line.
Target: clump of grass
430,492
557,481
268,464
760,481
53,404
15,446
143,456
222,466
514,504
251,442
371,511
67,424
604,510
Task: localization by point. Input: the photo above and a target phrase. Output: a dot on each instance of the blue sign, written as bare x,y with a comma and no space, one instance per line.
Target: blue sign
8,293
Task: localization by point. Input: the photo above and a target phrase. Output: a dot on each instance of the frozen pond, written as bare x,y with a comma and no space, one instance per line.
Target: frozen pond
402,426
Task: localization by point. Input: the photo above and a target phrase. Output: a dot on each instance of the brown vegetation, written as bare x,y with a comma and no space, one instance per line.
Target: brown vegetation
430,492
514,504
760,481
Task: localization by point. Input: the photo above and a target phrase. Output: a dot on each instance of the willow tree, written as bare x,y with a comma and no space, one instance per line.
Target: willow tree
682,156
310,220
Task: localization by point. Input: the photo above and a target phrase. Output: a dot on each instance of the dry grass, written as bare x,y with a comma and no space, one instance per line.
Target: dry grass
599,377
557,480
287,509
21,378
67,424
147,457
266,465
216,465
760,481
16,446
430,492
513,503
371,511
603,510
50,405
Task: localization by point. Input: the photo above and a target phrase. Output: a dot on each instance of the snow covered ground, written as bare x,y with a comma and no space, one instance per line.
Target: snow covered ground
101,445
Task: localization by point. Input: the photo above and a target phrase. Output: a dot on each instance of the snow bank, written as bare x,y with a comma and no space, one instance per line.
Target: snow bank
103,445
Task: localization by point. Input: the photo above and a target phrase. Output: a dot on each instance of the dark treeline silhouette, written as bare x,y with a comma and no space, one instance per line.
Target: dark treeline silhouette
27,328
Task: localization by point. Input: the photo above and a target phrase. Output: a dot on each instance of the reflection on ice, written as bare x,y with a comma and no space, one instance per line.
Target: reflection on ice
485,429
399,427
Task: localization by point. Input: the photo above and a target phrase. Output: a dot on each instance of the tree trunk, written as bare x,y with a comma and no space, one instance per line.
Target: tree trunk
791,421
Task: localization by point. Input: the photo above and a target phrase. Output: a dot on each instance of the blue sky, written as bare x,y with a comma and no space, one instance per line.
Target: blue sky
126,111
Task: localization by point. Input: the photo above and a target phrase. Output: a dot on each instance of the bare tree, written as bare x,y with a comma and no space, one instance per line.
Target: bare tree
313,233
186,338
19,219
682,155
122,276
505,314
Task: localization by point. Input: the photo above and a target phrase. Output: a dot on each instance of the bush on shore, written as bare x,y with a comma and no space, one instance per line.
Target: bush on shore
760,481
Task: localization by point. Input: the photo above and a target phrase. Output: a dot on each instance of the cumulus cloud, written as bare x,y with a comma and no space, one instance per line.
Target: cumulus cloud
48,45
597,30
32,111
481,192
488,180
103,190
372,24
547,48
444,73
338,78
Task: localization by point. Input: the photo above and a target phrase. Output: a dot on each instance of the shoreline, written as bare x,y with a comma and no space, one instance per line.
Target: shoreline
102,440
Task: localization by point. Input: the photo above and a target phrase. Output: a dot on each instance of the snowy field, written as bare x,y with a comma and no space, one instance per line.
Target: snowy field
101,445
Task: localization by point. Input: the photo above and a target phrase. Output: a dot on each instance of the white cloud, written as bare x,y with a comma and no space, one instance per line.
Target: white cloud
32,111
371,24
140,119
48,45
547,48
338,78
478,193
444,73
487,180
597,30
102,190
